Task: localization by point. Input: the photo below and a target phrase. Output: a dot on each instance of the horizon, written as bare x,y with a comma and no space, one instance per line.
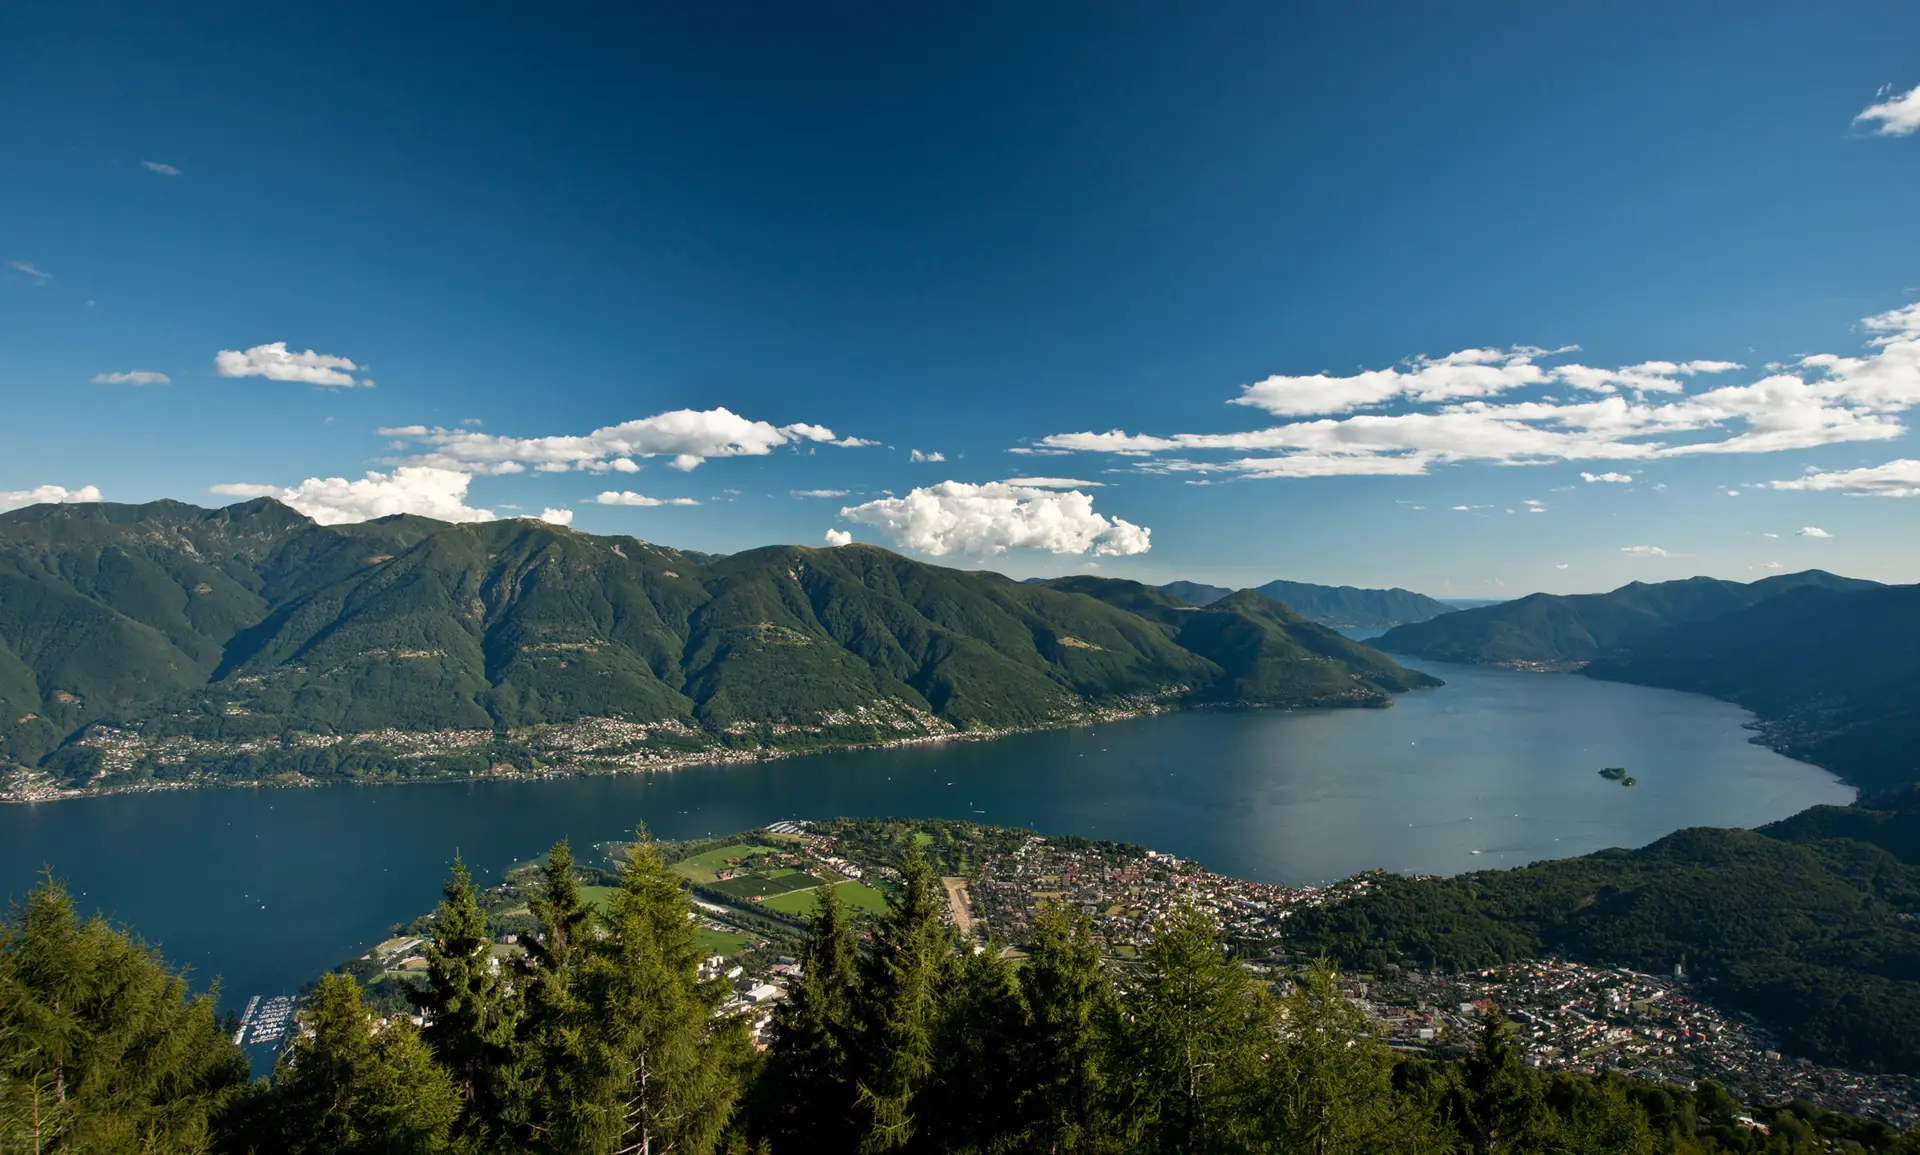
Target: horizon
1474,304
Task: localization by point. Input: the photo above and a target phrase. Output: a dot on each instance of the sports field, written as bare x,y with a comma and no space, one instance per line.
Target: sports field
855,895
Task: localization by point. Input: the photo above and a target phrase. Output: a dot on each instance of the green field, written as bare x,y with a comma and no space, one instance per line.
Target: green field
704,868
597,897
856,895
712,942
747,886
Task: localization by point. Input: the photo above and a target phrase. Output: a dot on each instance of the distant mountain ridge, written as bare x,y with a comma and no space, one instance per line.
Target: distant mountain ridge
1567,629
1342,607
173,641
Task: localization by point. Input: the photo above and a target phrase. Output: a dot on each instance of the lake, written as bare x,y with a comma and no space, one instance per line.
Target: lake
268,887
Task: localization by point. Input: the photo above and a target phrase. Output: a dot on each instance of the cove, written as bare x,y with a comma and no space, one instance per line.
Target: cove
268,887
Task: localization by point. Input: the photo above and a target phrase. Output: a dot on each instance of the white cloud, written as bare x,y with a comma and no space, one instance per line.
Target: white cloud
1459,413
274,362
46,494
687,436
1894,479
162,169
1811,531
853,443
1535,502
135,377
437,493
1462,508
980,520
1898,116
818,492
916,455
628,497
556,516
28,268
839,537
1560,565
1773,565
1649,550
1615,478
1053,483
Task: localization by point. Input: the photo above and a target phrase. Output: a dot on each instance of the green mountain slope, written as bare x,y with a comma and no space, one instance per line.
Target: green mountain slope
1265,652
1806,924
174,641
1562,629
1833,675
1343,607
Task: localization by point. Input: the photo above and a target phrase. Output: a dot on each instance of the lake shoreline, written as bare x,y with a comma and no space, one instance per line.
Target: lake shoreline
29,787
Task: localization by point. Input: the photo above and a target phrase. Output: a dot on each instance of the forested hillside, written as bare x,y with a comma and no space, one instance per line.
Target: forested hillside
1806,924
1343,607
1833,676
168,640
1555,629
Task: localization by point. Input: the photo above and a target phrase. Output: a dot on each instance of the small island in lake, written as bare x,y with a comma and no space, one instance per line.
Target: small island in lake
1614,773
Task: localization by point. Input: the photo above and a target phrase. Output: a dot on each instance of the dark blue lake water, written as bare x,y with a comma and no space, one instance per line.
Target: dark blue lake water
267,887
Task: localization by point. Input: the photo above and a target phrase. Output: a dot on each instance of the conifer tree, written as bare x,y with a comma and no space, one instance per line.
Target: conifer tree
660,1072
1196,1034
470,1019
550,1040
1499,1107
101,1046
1061,1055
903,981
808,1101
1329,1087
974,1100
353,1085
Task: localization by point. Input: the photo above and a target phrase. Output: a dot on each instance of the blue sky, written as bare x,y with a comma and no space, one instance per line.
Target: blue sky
1323,269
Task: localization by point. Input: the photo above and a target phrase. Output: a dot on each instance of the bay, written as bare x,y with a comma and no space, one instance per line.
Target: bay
268,887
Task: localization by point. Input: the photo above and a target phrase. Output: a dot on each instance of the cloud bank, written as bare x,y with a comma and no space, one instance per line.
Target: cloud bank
1894,479
983,520
1898,116
276,363
1463,407
435,493
46,494
688,437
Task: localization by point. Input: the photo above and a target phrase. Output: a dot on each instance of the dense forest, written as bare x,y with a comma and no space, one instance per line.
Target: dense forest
1806,924
1339,606
1559,629
602,1038
165,641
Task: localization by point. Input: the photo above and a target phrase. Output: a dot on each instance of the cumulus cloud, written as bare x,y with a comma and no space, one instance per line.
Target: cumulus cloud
839,537
1054,483
28,268
853,443
688,437
276,363
1897,115
46,494
556,516
162,169
1462,408
135,377
629,497
1615,478
1894,479
437,493
1811,531
916,455
818,492
980,520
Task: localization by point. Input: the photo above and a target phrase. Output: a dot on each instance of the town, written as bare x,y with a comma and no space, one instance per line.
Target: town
753,892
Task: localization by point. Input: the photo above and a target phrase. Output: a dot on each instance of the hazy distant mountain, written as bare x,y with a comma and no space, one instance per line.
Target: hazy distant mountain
1556,628
1343,607
1834,675
246,636
1196,593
